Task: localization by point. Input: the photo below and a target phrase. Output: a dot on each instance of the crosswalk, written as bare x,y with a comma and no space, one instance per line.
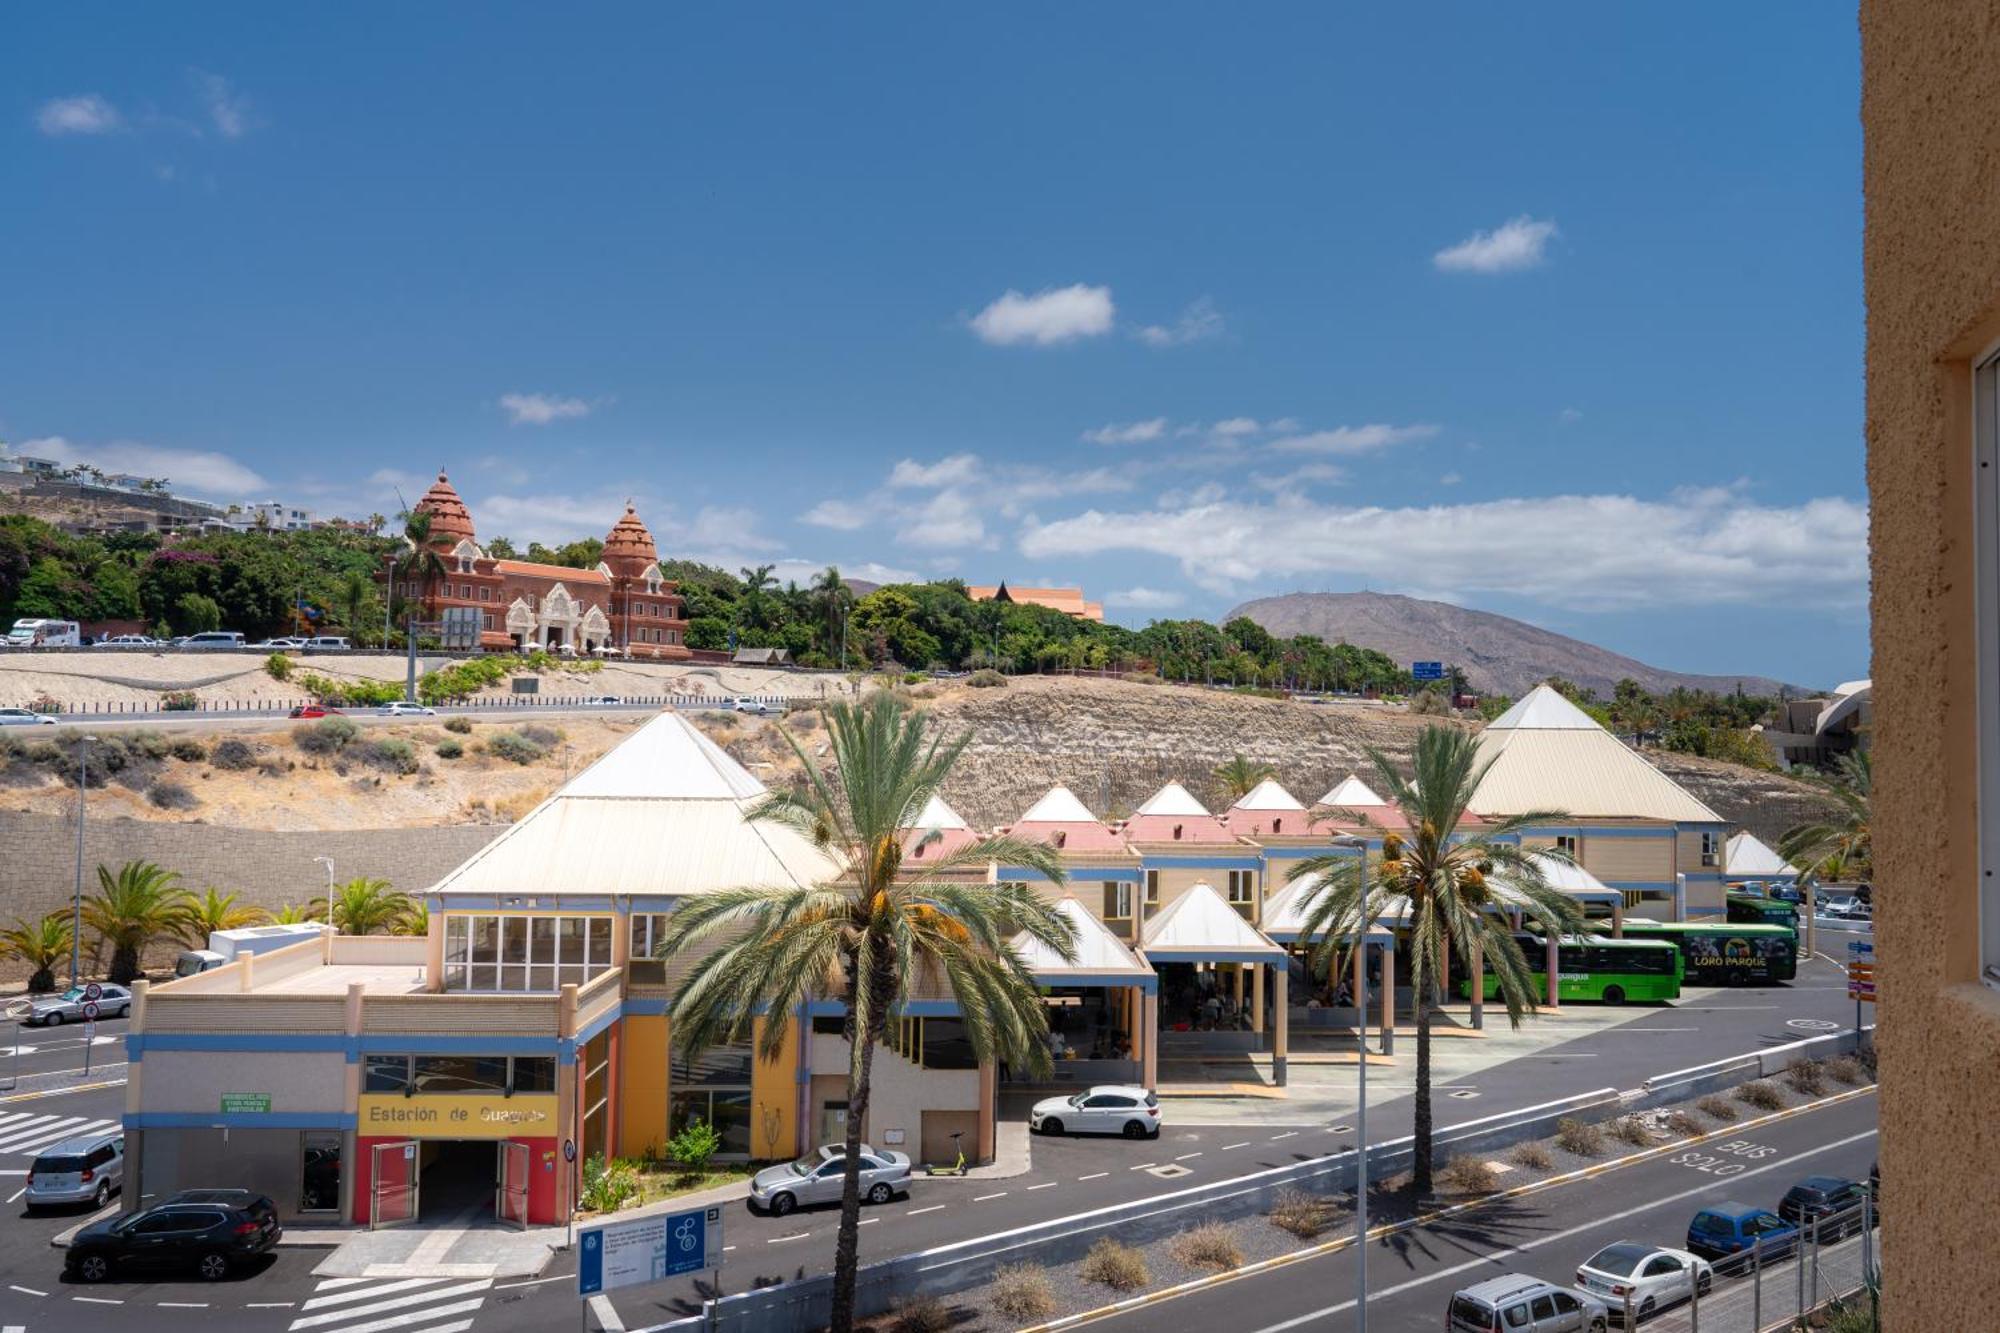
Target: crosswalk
25,1134
405,1305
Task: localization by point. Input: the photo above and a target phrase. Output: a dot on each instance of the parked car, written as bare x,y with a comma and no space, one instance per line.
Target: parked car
283,643
757,706
210,1232
327,643
404,708
1729,1230
819,1176
1845,906
89,1168
315,710
25,717
1109,1109
212,639
129,641
602,701
1650,1276
1517,1303
55,1010
1818,1197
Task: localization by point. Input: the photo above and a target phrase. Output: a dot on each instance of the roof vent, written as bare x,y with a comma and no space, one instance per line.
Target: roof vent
1061,837
1177,833
1278,824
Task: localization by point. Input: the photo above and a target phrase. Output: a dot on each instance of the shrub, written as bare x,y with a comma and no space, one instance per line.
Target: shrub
1685,1125
1764,1096
190,749
1210,1245
693,1146
150,744
804,719
392,754
1116,1265
1534,1156
1717,1108
1304,1215
1631,1129
1807,1077
450,748
102,755
541,735
278,666
921,1314
608,1185
329,735
1845,1069
1022,1291
233,755
180,701
1468,1175
1579,1138
166,794
514,746
986,678
460,724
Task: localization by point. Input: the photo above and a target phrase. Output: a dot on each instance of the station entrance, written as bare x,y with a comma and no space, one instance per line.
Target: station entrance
436,1181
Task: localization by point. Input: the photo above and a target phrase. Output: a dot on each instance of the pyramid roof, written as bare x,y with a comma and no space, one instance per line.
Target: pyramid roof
1099,953
1545,753
1058,805
1199,925
1173,799
1749,857
1544,709
1351,792
938,814
1267,795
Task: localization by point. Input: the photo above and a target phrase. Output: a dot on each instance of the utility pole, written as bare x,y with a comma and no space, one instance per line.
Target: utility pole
76,904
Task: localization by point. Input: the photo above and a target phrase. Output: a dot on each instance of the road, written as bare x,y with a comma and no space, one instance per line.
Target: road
1412,1276
244,719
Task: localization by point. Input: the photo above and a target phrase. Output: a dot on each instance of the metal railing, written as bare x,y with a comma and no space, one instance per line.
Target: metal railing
1774,1286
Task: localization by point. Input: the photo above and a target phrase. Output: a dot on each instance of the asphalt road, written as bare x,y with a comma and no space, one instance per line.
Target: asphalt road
238,719
1411,1276
51,1050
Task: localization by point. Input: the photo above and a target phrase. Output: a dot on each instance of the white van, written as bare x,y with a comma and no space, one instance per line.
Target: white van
328,643
38,633
215,638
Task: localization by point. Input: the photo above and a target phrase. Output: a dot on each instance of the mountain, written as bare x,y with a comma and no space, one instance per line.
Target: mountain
1499,655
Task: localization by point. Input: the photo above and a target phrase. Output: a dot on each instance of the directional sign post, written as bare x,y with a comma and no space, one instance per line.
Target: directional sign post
647,1249
1427,670
91,993
1860,978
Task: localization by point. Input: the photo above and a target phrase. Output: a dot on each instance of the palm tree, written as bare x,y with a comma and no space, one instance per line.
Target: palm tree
354,593
419,563
292,914
868,934
213,911
417,921
755,581
363,906
1446,870
1239,776
835,599
42,945
1844,835
133,908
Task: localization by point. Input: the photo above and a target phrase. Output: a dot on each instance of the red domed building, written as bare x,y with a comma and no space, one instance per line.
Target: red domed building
623,604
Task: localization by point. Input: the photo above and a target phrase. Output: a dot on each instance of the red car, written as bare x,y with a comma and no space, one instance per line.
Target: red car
315,710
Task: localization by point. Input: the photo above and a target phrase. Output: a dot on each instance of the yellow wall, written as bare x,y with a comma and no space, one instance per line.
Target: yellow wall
642,1084
774,1099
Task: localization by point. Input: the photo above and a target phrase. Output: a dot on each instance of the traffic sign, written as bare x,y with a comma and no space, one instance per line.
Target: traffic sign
89,1032
89,1011
93,991
648,1249
1427,670
569,1150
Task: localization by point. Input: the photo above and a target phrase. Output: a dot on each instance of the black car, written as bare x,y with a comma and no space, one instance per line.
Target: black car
1818,1197
208,1232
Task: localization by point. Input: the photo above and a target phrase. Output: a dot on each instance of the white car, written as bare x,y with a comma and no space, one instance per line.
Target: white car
404,708
1109,1109
25,717
1652,1277
129,641
820,1175
602,701
757,706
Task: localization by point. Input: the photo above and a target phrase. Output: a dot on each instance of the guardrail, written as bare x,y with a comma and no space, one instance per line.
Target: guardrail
498,703
1699,1080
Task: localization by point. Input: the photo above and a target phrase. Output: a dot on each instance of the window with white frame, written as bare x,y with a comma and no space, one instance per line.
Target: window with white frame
1570,845
647,928
1117,900
524,953
1986,583
1711,849
1242,886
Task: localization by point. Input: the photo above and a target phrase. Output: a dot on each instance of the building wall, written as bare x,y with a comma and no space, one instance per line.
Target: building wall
642,1097
266,1160
900,1093
183,1082
774,1100
1930,89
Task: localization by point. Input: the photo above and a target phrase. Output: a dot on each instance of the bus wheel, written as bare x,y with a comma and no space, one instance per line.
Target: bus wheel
1614,995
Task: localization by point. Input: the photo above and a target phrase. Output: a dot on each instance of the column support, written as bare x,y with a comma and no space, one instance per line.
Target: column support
1477,967
1257,1000
1389,997
1280,1018
1552,970
1150,1024
1618,918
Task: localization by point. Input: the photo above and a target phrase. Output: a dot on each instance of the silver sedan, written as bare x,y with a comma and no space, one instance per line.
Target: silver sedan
51,1010
817,1178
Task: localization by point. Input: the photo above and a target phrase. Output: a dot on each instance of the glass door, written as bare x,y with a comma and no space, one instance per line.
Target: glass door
510,1197
392,1198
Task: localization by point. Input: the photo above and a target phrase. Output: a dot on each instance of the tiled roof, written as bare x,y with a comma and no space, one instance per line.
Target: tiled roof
1544,760
554,573
1199,923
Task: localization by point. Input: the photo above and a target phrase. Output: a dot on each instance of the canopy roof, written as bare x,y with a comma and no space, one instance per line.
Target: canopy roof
1172,814
937,832
1063,821
1573,881
1199,926
1749,857
1286,910
1099,953
663,813
1548,754
1350,792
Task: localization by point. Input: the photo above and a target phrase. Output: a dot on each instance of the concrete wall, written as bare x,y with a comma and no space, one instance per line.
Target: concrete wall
1930,97
899,1092
196,1081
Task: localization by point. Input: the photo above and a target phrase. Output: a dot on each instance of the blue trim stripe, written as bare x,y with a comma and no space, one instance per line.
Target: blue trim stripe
1088,874
1214,956
601,1022
547,904
294,1043
416,1043
647,1006
1148,982
1154,862
240,1120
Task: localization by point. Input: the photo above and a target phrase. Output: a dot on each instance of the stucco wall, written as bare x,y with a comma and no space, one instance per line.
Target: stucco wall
196,1081
1931,120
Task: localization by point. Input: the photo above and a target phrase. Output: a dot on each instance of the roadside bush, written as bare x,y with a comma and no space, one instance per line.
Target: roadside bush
914,678
450,748
1717,1108
1304,1215
1764,1096
512,745
1846,1069
148,743
921,1314
1632,1130
166,794
986,678
804,719
608,1185
1468,1175
1579,1138
180,701
541,735
1116,1265
103,756
1533,1155
189,749
1685,1125
233,755
1022,1291
393,754
1807,1077
1210,1245
459,723
692,1148
329,735
40,752
278,666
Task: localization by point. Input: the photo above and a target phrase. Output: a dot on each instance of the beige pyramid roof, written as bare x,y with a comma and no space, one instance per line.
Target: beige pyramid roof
1749,857
1548,754
1058,806
1267,795
1200,925
1172,799
1098,951
1351,791
938,814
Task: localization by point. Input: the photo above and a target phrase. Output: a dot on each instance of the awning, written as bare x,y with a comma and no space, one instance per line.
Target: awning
1101,957
1285,912
1199,927
1749,857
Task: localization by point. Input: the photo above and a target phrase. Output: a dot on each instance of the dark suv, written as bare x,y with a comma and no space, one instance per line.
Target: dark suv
1818,1197
207,1232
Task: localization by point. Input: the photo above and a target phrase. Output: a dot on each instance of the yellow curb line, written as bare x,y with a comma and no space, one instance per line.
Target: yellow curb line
62,1092
1425,1219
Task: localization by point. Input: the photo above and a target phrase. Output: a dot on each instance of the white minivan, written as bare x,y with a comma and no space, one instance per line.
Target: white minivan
34,632
215,638
328,643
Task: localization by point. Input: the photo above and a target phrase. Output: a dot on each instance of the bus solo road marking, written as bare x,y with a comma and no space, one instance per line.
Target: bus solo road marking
1716,1166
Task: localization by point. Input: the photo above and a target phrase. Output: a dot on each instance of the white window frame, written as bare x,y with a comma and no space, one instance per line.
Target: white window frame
1986,585
1121,896
1152,888
1571,843
1242,887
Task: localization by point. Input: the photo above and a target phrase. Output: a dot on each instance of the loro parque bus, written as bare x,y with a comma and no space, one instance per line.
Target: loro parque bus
1716,953
1590,967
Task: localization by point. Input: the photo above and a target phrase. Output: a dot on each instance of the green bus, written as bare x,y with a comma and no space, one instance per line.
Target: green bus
1747,909
1725,953
1590,967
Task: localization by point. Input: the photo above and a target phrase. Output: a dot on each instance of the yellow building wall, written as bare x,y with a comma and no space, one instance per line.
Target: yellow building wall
642,1084
774,1098
1616,860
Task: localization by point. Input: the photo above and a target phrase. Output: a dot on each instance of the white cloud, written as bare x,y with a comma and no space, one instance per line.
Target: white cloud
1569,416
1237,426
719,527
840,515
803,572
1516,244
1583,551
1350,440
1450,479
948,519
1145,599
228,110
87,114
950,471
1053,315
1306,474
199,472
1199,321
539,409
1132,432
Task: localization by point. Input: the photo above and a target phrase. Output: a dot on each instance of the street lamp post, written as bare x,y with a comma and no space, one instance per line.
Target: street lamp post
1361,1082
327,861
83,745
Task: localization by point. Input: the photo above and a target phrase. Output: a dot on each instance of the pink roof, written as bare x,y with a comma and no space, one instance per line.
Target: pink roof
1069,836
948,840
1176,828
1270,823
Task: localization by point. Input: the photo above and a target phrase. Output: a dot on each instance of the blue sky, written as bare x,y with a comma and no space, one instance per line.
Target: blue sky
1553,311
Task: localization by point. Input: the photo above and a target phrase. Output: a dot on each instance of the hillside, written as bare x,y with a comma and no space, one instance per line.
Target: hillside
1498,654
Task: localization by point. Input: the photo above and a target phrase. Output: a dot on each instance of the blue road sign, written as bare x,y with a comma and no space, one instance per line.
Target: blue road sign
1427,670
648,1249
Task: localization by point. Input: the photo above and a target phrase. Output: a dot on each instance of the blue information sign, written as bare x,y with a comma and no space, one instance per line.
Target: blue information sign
1427,670
647,1249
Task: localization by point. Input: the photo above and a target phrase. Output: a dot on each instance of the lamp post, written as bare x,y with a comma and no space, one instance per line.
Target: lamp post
83,745
1361,1082
327,861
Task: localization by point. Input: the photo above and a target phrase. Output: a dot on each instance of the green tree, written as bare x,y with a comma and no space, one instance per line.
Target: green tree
1845,835
135,906
1446,870
419,561
835,600
1239,776
215,910
357,591
114,592
41,945
50,590
363,906
196,614
869,933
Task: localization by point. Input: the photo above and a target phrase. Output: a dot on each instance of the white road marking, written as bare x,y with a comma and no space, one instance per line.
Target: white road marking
96,1300
1143,1166
1049,1185
333,1283
397,1303
868,1221
413,1317
270,1305
1095,1175
780,1240
27,1291
184,1305
538,1281
727,1248
1184,1156
321,1302
982,1198
22,1172
607,1318
932,1209
1628,1029
17,1194
1288,1134
1227,1146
